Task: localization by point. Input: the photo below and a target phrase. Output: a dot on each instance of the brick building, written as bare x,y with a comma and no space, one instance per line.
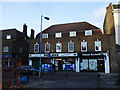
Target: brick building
74,46
14,47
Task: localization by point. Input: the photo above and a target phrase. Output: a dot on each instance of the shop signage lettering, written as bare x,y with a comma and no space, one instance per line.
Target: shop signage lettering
91,54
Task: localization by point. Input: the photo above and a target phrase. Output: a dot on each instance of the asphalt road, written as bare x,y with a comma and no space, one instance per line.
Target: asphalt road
66,80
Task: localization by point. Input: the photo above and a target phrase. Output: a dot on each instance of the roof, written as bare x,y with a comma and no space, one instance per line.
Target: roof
78,26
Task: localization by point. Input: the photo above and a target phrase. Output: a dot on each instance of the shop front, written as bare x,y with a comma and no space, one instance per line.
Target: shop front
92,62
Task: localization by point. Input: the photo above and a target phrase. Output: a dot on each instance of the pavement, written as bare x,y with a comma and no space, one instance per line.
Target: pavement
66,80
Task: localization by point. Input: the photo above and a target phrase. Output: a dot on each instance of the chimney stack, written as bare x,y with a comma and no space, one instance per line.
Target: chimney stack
32,34
25,29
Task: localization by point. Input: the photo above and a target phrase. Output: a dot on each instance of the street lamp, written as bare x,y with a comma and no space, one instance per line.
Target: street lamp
41,44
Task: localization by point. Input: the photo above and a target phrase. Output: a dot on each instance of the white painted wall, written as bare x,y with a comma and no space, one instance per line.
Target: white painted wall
77,62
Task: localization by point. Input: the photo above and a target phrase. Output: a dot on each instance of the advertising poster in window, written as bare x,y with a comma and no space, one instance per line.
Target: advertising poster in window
84,64
93,64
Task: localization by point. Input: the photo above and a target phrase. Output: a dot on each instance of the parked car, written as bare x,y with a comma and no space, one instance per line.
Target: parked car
26,69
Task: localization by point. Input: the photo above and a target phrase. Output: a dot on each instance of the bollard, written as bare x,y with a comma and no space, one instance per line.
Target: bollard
98,80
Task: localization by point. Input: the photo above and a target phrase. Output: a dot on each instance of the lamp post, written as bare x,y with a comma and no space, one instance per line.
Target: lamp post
41,44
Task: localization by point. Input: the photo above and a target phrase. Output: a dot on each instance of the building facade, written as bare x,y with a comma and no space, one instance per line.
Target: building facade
111,26
74,47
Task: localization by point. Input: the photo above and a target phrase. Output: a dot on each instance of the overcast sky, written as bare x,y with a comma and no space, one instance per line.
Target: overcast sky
15,14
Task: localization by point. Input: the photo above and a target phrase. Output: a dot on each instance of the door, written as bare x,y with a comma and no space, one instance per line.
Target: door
101,66
59,65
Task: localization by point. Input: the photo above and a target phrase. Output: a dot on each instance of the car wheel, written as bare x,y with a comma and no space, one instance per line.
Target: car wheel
33,73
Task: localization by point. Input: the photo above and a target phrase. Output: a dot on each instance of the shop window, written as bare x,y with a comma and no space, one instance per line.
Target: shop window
57,35
5,48
45,36
88,32
58,47
97,45
47,47
72,34
36,48
84,46
8,36
71,46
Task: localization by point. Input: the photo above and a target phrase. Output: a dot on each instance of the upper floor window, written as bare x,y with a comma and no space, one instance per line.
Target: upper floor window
71,46
44,35
21,49
72,33
36,48
7,62
83,46
57,35
88,32
47,47
5,48
97,45
8,36
58,47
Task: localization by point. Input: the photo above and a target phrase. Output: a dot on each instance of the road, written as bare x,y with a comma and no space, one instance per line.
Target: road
66,80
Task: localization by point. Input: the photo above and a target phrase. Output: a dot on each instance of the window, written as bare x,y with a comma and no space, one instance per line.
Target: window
5,48
47,47
97,45
7,62
70,46
45,36
88,32
83,46
58,47
8,36
21,50
36,48
72,33
57,35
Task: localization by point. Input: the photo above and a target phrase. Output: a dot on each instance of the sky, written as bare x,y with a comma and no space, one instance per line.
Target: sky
15,14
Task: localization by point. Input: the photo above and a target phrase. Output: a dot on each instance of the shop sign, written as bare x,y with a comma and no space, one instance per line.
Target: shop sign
63,54
38,55
91,54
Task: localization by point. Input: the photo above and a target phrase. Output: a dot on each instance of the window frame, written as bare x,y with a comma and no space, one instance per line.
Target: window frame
98,43
34,48
60,47
4,50
45,35
58,35
84,43
71,34
46,48
88,32
69,46
8,37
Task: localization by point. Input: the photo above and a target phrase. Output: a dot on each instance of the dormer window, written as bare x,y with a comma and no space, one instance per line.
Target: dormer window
8,36
88,32
58,35
72,34
45,36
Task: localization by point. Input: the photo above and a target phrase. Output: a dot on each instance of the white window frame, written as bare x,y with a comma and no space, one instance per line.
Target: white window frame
69,46
45,35
88,32
5,48
60,50
98,43
8,36
46,48
85,44
58,35
72,33
35,48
